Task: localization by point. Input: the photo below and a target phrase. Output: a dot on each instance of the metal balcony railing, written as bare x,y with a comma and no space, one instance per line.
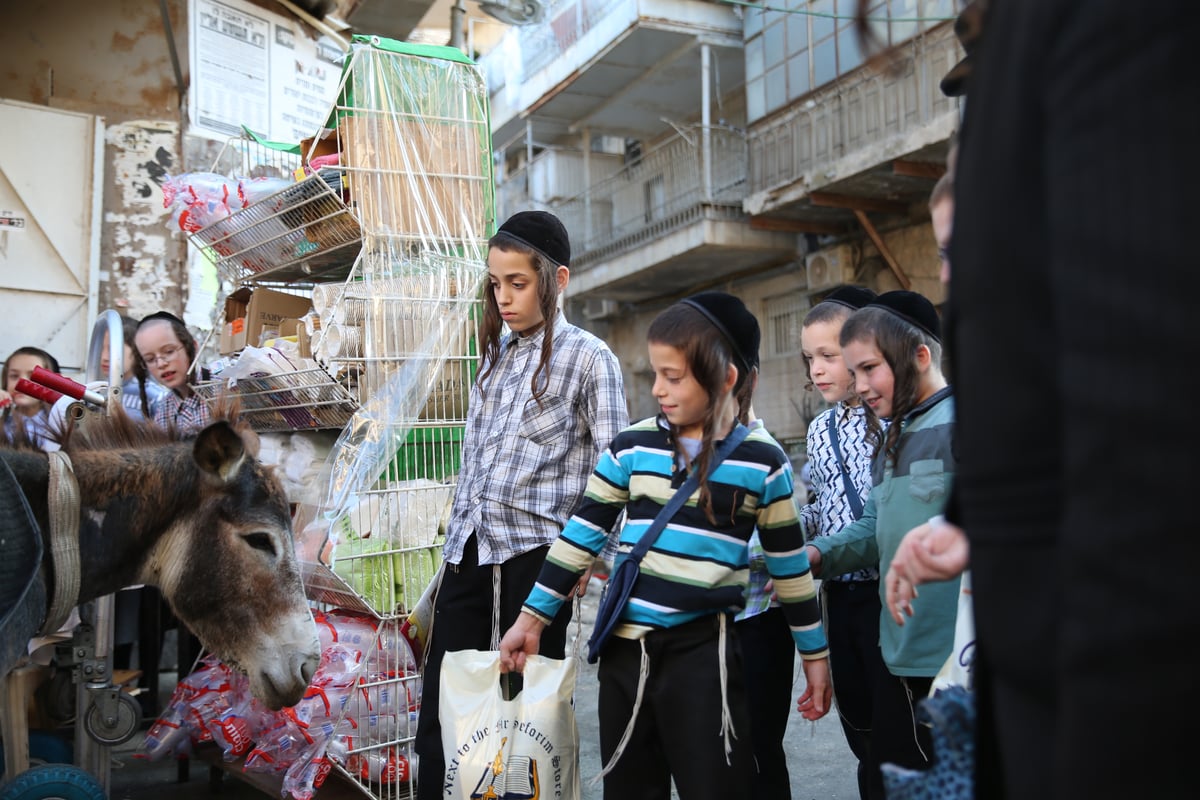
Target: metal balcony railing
566,22
699,173
868,110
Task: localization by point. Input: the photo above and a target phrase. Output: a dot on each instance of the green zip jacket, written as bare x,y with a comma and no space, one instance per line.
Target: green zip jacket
904,495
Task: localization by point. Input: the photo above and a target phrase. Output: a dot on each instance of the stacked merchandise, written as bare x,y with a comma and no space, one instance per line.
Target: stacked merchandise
406,153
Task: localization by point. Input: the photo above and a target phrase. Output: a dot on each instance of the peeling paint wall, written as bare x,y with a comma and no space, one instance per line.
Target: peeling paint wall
111,58
143,265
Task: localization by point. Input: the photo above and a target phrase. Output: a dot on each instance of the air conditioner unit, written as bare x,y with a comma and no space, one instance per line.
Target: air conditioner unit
829,267
595,308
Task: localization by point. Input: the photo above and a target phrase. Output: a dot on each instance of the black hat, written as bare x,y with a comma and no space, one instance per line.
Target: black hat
852,297
913,308
968,27
541,231
729,315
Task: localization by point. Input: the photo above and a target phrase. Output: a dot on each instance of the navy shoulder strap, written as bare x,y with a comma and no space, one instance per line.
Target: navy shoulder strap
856,503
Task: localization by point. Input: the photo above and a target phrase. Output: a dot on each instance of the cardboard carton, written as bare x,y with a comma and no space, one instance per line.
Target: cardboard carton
252,316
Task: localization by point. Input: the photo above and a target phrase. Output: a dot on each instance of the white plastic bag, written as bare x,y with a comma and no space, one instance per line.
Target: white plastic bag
520,749
959,668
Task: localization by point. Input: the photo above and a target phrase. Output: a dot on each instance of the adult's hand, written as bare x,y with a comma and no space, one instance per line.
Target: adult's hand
935,551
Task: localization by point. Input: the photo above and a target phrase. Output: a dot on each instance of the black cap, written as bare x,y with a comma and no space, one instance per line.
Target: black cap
852,297
913,308
541,231
729,315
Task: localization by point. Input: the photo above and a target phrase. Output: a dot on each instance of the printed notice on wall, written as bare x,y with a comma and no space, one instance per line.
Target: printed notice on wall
258,69
12,221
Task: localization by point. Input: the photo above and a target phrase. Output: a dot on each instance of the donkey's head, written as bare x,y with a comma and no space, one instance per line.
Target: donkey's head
228,568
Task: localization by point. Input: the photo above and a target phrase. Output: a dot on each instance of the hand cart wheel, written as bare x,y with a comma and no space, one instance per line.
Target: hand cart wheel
58,781
113,717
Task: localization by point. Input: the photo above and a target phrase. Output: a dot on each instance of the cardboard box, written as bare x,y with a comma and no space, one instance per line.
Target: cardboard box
233,333
251,316
304,342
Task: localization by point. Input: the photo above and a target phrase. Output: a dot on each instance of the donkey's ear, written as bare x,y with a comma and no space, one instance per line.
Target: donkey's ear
219,451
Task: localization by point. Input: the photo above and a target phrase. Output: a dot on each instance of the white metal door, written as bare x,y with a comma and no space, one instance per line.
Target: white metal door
51,183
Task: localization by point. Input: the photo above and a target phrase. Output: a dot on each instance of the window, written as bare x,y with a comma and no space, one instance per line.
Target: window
785,315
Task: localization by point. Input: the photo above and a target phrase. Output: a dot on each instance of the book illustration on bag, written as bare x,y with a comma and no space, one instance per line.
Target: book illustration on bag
515,779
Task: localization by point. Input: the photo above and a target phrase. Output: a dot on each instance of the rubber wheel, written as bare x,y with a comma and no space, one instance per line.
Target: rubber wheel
122,729
54,782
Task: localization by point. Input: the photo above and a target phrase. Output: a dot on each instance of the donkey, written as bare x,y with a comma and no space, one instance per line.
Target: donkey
204,522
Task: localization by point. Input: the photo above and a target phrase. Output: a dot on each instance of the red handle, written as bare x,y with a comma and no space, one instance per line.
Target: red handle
66,386
57,382
37,390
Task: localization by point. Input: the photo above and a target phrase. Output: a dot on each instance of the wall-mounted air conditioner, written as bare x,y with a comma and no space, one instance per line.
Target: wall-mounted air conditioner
829,267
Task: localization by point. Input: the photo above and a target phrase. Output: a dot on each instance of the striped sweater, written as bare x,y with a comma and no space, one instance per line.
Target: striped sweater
694,568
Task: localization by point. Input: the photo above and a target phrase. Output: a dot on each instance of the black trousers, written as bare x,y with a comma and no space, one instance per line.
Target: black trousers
463,621
896,736
852,627
769,661
1073,302
678,729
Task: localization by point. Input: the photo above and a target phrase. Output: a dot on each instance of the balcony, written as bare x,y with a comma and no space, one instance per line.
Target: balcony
671,219
869,142
623,68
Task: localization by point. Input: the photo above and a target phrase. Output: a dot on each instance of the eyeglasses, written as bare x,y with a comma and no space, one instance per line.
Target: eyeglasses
164,356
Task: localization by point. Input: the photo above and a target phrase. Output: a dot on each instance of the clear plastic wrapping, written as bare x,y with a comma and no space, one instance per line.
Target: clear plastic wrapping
396,193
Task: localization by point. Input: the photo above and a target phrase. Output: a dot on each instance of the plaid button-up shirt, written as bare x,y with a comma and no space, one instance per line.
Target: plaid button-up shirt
189,416
524,468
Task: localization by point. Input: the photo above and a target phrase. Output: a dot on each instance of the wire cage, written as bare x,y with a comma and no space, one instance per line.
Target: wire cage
410,133
304,232
386,229
288,222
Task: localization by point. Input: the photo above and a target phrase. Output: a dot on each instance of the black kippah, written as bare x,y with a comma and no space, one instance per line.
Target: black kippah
913,308
541,231
729,315
852,297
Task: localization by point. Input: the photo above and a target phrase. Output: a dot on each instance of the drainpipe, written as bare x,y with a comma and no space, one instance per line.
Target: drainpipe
587,185
706,117
458,13
528,159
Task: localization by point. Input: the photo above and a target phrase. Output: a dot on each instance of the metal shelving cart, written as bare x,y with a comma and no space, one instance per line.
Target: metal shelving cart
389,237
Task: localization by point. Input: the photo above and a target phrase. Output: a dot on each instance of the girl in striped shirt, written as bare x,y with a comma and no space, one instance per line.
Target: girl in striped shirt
672,694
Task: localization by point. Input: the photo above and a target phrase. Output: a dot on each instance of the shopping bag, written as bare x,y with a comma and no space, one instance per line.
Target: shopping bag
959,667
418,625
612,602
525,748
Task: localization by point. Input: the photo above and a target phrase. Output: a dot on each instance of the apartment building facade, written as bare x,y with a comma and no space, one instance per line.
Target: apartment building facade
741,146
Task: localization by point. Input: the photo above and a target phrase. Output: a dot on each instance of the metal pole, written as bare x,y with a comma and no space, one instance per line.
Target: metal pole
587,186
458,13
90,754
706,117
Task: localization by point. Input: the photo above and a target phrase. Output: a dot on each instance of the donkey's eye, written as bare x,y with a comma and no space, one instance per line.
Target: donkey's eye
261,541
